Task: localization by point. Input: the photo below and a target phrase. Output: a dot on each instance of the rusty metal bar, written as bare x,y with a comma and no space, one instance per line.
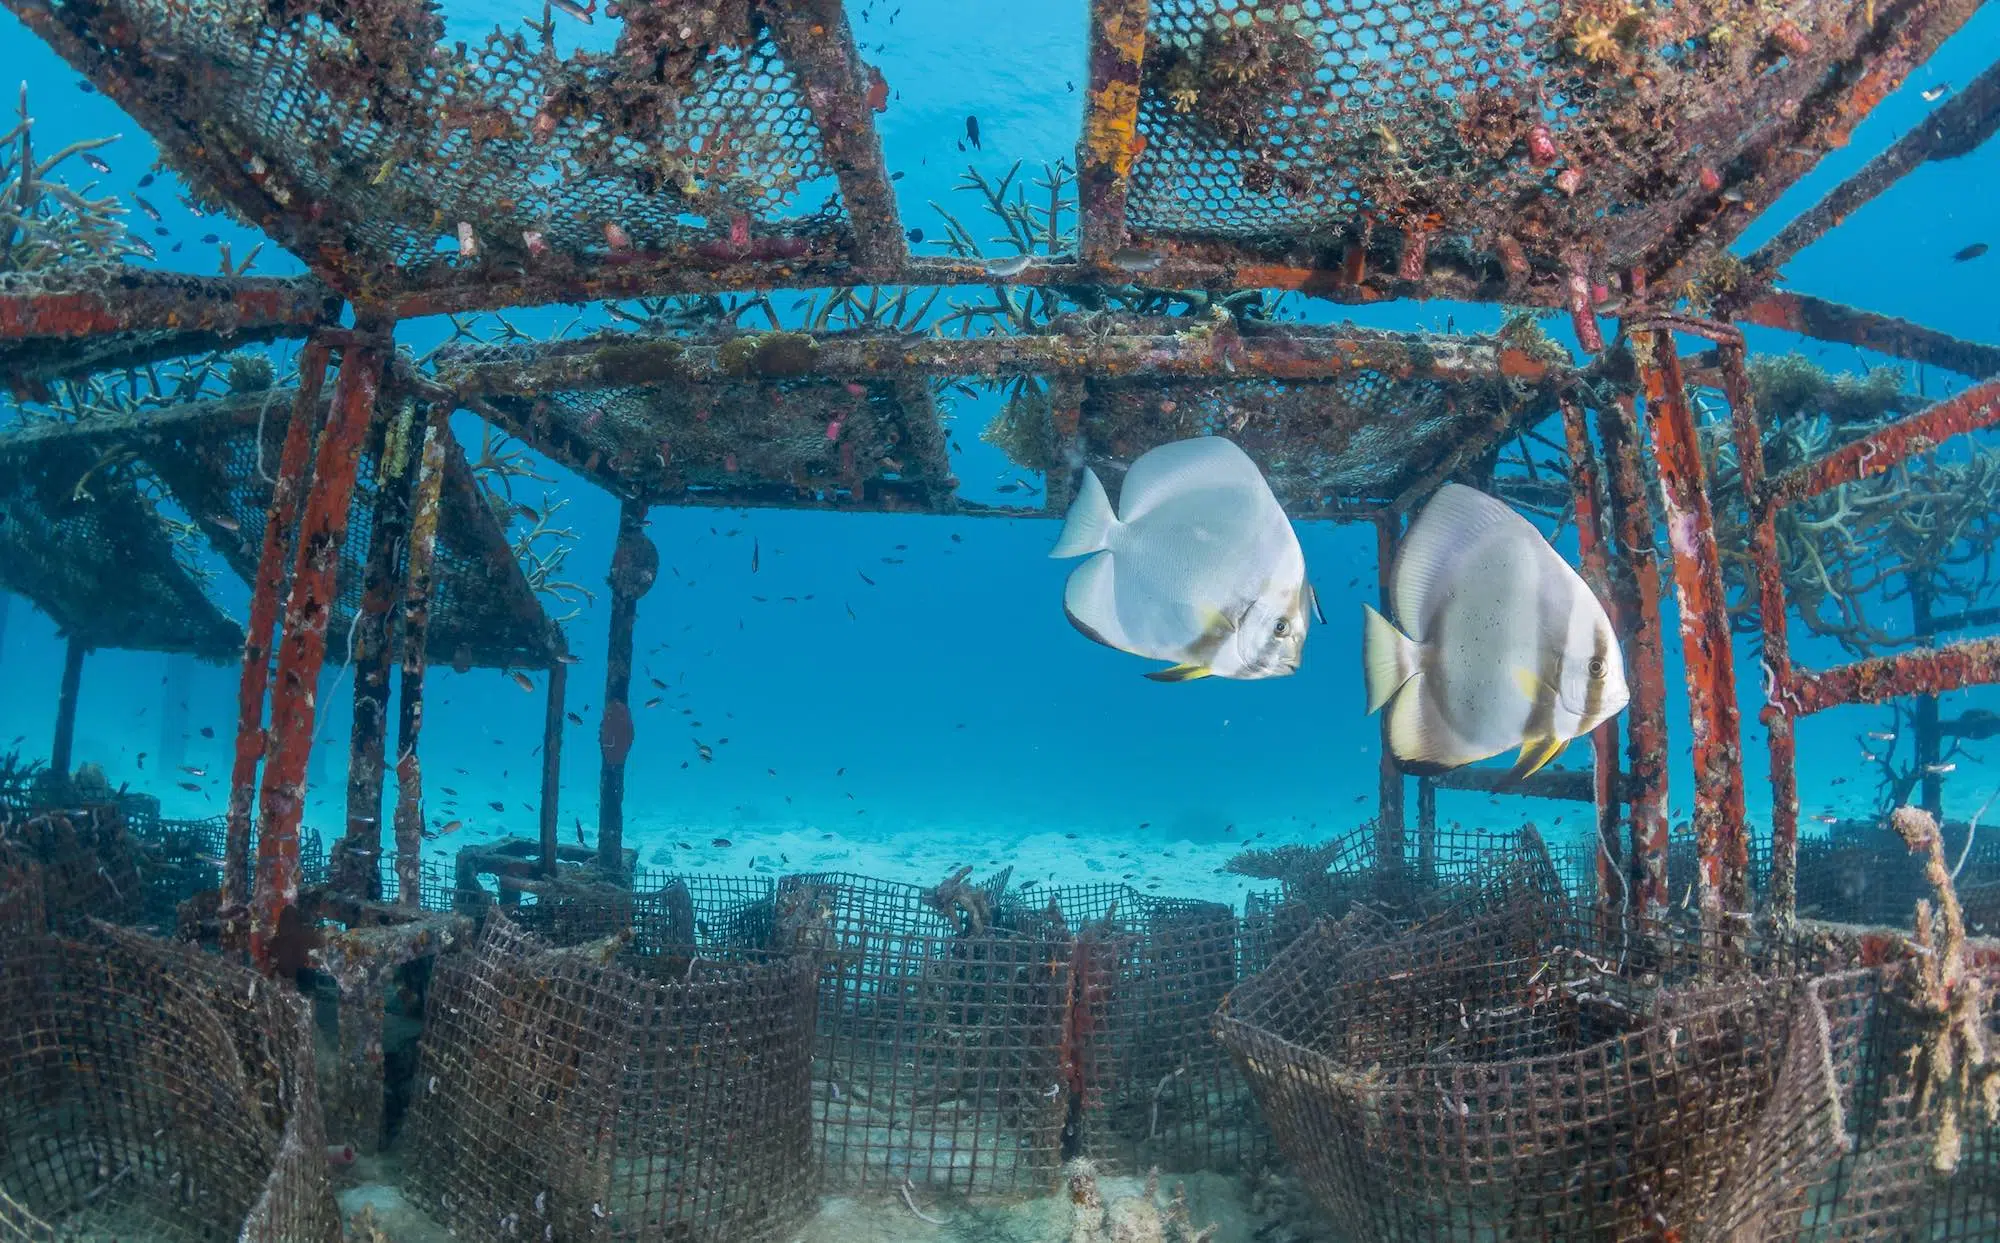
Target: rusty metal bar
1876,452
1255,352
217,308
62,746
552,739
1719,829
357,856
818,46
302,646
1959,125
1427,827
1067,395
1845,325
1636,611
1568,785
419,574
1920,671
1110,143
635,563
1747,428
1389,774
1927,740
1587,490
1904,36
265,597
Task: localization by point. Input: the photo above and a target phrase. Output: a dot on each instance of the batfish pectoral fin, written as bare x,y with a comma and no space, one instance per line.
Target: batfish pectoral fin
1530,683
1181,673
1535,752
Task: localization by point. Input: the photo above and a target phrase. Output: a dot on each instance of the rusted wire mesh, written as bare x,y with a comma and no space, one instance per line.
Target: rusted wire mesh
1147,974
149,1092
89,866
939,1053
79,539
179,859
1506,138
1509,1076
1368,437
769,438
561,1091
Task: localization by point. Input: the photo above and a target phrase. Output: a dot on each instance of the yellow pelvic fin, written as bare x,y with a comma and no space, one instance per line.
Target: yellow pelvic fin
1181,673
1536,752
1529,681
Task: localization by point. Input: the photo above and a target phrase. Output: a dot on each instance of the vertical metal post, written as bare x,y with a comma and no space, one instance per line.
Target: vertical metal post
1110,126
634,565
302,645
552,739
1427,831
265,599
1748,431
357,856
1636,596
1723,880
418,576
61,748
1586,488
1389,775
1929,736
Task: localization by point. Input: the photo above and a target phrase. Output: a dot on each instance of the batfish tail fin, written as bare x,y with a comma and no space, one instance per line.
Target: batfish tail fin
1088,526
1388,656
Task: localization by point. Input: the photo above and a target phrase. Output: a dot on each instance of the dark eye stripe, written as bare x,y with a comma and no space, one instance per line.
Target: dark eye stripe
1593,691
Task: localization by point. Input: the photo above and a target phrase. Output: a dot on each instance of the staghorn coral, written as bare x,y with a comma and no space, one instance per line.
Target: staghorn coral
44,223
1025,431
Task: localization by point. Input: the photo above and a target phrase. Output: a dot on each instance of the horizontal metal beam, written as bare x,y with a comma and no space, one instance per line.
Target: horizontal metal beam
1920,671
1898,338
1877,452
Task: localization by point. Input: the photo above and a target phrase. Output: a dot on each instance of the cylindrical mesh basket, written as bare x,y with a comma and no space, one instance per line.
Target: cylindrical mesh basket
562,1091
146,1092
1504,1077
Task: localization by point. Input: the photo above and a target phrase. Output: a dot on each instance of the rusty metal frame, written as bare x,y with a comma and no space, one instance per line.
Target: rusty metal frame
1845,325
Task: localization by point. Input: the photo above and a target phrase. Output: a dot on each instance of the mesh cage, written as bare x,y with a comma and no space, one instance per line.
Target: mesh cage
1518,1074
78,539
483,612
150,1092
1152,1088
86,865
938,1058
560,1092
771,438
393,137
1527,130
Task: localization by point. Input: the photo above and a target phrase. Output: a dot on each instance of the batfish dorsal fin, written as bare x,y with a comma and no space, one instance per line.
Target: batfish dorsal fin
1181,673
1205,462
1445,537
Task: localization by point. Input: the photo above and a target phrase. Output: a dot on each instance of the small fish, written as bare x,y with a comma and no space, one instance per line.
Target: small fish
567,659
450,791
702,749
522,680
654,702
866,579
1938,770
972,131
1827,818
189,786
1523,654
145,181
755,551
915,236
190,770
226,522
142,759
96,163
452,826
578,11
497,805
1199,565
152,212
720,843
1970,252
657,684
1881,735
1936,93
1012,265
141,246
574,719
1135,259
86,88
210,239
207,732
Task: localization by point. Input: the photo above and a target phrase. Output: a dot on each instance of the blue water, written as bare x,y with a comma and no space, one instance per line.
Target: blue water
947,711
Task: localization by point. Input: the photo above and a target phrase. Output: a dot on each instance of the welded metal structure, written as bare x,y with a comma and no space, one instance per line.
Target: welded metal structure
1594,163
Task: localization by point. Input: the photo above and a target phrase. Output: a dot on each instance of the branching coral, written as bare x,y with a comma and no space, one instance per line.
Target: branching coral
43,222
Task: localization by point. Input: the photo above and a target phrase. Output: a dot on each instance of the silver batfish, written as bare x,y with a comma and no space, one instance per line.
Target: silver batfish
1502,644
1199,566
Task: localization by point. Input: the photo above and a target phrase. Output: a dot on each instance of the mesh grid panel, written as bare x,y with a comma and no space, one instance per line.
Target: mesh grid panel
84,546
1554,124
560,1092
395,137
150,1092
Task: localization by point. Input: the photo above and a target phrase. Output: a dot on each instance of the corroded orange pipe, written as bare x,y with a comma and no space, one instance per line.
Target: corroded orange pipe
1877,452
1612,887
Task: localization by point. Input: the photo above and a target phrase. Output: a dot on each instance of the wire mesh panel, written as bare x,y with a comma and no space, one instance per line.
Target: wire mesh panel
89,865
560,1091
78,538
1503,1077
145,1092
1511,135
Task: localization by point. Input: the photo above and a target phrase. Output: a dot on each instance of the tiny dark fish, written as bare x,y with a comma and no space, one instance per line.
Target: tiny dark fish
579,830
866,579
96,163
972,132
1971,252
707,756
450,791
915,236
721,843
209,239
497,805
145,181
850,612
522,680
574,719
142,759
207,732
756,552
897,175
1071,85
189,785
86,88
956,538
657,683
152,212
654,702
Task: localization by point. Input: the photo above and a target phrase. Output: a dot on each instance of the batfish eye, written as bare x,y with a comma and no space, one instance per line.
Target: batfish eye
1597,666
1283,628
